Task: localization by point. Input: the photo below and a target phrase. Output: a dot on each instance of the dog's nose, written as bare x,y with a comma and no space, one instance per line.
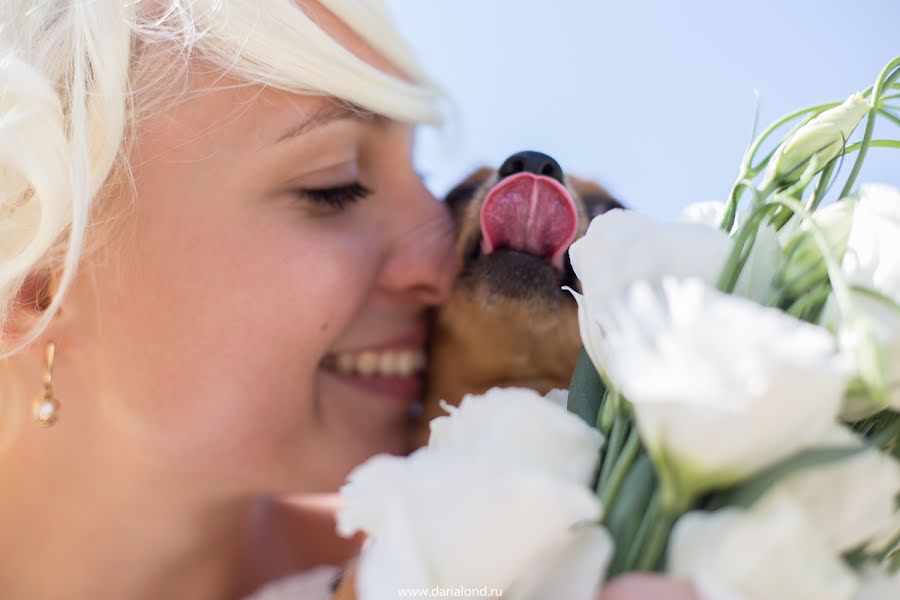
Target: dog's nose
531,162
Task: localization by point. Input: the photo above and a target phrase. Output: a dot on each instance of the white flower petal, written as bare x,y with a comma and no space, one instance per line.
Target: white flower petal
762,265
889,534
391,561
592,337
872,260
710,389
621,247
768,553
559,397
518,426
849,501
708,213
368,493
456,520
572,571
877,584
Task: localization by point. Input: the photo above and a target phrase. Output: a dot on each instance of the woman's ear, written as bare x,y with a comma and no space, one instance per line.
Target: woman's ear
28,306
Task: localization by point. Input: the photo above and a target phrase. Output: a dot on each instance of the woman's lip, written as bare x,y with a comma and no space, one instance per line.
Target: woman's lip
405,389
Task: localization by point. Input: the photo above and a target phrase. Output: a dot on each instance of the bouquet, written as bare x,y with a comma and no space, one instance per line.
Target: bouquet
733,417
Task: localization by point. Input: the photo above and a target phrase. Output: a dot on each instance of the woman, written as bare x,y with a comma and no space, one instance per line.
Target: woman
202,203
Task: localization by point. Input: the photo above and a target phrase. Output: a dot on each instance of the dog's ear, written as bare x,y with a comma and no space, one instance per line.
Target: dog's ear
597,200
459,197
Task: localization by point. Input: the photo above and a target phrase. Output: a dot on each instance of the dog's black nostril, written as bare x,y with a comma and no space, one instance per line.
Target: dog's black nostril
531,162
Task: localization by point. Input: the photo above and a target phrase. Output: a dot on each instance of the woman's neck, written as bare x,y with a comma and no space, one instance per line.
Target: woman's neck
95,523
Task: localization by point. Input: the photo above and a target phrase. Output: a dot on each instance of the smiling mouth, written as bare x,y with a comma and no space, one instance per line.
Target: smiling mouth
393,363
397,375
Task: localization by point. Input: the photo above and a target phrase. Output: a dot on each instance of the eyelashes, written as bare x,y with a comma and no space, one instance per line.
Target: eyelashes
337,197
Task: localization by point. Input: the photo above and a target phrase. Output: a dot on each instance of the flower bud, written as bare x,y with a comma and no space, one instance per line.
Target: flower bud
822,137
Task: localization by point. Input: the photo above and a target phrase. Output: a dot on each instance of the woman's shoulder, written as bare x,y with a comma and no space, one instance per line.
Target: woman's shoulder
313,584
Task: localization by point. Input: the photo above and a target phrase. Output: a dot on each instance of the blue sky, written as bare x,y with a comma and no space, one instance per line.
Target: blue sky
655,99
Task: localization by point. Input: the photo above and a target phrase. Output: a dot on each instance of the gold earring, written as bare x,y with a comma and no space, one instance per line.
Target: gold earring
46,407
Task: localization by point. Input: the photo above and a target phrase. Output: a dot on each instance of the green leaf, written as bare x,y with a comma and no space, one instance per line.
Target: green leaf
625,514
749,491
586,390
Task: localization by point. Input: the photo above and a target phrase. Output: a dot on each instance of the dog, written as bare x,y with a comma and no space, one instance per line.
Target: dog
508,322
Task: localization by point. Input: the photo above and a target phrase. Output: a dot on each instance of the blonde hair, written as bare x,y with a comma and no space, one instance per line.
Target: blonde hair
76,76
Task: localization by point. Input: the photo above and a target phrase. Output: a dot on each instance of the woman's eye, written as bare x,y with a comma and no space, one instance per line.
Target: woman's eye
336,197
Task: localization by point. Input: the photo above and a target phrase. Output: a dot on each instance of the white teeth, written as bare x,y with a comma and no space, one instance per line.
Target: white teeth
390,363
406,363
345,363
367,363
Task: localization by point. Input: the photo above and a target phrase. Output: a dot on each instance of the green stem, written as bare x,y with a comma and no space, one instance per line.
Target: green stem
822,185
748,171
606,416
889,115
872,144
808,300
620,469
613,447
731,270
734,198
640,538
653,550
885,77
887,438
777,294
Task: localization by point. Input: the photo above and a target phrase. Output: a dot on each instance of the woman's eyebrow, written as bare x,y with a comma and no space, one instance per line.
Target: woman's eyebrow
328,114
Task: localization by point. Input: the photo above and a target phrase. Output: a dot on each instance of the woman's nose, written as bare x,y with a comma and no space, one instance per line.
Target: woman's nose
421,263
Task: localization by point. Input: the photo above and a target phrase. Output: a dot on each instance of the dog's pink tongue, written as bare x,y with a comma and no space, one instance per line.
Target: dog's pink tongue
529,213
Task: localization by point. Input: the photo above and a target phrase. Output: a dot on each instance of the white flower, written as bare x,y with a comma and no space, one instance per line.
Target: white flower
519,426
711,212
570,570
755,280
721,387
441,519
621,247
762,265
877,584
849,501
558,396
767,553
872,260
884,539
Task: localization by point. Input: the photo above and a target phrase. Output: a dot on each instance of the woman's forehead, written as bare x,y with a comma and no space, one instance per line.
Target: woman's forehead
228,114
